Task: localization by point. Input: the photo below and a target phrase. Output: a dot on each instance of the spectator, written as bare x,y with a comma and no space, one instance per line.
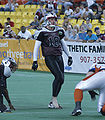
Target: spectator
87,25
77,13
76,27
68,32
24,33
49,7
32,2
56,9
35,24
41,12
8,33
16,5
99,13
100,36
52,7
1,26
88,13
42,2
74,36
90,37
82,34
66,23
68,12
11,23
62,10
90,2
82,10
9,6
67,3
3,2
97,31
104,13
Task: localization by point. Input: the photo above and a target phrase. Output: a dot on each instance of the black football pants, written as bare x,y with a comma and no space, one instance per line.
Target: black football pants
56,66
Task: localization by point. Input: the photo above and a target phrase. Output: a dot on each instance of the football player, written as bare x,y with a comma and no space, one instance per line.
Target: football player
95,80
8,65
51,40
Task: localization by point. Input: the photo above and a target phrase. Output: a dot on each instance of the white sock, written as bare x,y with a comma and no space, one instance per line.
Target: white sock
55,102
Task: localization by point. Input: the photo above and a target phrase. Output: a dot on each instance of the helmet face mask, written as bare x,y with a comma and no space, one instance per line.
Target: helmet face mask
51,20
13,67
9,62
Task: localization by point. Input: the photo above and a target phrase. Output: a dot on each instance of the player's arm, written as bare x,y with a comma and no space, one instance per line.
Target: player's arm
6,95
93,94
64,46
35,54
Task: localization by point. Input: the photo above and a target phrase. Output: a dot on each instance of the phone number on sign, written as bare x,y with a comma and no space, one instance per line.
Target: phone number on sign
87,59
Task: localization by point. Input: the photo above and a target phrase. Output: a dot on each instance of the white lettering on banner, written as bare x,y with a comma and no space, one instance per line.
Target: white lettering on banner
4,44
84,55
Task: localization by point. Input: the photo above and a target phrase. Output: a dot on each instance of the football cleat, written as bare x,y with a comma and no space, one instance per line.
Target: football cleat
51,106
7,111
76,112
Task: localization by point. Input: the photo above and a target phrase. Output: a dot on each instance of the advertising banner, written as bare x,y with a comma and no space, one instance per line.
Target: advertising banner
26,60
84,55
22,52
26,51
9,48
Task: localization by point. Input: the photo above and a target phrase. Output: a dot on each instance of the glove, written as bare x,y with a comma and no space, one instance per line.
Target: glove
93,94
35,65
70,61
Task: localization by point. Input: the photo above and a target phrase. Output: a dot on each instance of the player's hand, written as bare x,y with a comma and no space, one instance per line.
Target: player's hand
35,65
11,106
70,61
93,94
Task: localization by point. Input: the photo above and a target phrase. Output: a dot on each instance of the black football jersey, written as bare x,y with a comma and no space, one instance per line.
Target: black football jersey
51,41
2,77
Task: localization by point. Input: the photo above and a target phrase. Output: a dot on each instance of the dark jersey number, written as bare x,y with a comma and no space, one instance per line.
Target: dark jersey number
54,41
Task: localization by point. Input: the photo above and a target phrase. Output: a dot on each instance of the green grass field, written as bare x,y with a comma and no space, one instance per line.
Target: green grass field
30,93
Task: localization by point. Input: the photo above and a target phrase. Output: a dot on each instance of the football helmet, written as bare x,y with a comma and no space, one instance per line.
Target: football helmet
9,62
51,20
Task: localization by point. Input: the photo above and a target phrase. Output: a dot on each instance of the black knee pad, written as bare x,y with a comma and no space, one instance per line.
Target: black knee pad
103,113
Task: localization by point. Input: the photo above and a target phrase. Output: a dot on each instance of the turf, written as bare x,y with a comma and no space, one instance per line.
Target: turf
30,93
